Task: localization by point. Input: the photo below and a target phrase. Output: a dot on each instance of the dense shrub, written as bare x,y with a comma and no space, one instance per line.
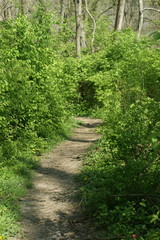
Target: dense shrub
41,89
36,98
120,180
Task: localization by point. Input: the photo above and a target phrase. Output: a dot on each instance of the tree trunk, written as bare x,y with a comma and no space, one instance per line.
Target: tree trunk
83,36
63,10
120,15
94,26
141,16
78,12
80,33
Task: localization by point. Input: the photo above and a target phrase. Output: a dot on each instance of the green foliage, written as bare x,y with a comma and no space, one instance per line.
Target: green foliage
120,179
156,35
11,188
36,103
43,85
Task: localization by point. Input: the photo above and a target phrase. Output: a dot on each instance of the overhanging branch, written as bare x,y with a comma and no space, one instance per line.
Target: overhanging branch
105,11
152,9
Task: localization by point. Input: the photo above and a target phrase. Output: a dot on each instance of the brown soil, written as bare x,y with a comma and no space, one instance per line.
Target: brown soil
51,209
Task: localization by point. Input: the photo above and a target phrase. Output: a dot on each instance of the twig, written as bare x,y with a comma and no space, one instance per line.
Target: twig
150,20
110,238
134,195
105,11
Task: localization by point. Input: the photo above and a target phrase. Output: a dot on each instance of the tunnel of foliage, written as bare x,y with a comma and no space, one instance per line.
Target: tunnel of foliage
43,86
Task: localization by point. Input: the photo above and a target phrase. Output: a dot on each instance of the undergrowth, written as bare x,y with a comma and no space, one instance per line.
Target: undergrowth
120,180
36,98
43,86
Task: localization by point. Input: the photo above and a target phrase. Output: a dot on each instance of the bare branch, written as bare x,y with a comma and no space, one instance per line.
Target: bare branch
105,11
134,195
94,26
152,9
150,20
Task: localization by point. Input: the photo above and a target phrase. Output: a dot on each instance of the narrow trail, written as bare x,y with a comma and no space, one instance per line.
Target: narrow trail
51,208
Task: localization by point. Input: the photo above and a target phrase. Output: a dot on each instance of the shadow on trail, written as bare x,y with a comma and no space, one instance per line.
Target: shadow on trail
82,141
52,208
66,227
55,173
90,125
63,227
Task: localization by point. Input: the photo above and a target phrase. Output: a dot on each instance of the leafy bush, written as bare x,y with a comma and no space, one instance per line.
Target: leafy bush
36,103
120,179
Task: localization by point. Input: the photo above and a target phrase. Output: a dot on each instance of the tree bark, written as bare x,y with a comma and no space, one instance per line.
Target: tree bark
80,33
94,26
120,15
78,12
141,17
83,35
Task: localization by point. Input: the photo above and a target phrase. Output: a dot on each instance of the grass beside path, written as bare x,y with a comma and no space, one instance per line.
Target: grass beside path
17,174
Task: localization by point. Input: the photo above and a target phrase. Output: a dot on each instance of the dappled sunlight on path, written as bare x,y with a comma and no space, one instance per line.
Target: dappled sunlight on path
52,206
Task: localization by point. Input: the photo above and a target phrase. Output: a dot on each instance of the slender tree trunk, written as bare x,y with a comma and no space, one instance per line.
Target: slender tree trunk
83,35
63,10
80,33
78,12
94,26
117,14
120,15
141,16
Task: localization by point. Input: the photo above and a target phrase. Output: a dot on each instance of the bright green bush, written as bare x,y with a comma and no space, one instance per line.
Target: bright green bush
41,89
36,103
120,180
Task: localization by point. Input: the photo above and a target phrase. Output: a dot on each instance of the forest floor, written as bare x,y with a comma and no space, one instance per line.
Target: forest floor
52,209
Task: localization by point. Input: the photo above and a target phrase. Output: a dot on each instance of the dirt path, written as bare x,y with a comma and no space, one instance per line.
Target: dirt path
51,209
